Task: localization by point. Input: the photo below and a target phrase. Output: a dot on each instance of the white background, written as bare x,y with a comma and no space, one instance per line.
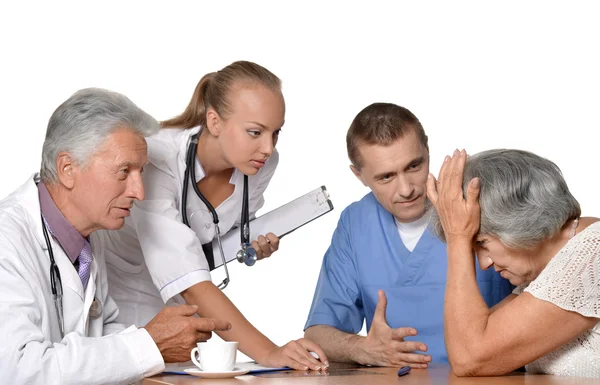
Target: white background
479,75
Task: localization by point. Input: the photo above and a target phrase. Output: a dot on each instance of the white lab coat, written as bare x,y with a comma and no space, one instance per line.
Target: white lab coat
32,350
154,257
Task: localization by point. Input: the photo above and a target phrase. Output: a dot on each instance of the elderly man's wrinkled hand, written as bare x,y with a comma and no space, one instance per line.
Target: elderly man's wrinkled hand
176,330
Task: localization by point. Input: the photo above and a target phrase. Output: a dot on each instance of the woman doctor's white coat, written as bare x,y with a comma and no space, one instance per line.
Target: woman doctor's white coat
155,257
32,350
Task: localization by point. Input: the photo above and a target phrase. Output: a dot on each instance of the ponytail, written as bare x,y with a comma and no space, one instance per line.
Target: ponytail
195,113
213,91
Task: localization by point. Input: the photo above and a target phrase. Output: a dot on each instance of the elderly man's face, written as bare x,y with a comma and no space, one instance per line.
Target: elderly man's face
105,189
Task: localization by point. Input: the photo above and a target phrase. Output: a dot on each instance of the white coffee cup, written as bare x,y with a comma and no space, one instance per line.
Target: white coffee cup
215,356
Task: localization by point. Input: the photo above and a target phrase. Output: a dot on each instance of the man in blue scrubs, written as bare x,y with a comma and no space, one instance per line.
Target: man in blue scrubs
383,264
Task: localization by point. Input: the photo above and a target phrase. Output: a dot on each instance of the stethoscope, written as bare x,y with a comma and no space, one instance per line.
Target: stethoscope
55,282
246,254
56,286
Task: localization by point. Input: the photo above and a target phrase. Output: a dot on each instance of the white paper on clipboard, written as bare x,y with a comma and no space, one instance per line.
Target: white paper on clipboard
281,221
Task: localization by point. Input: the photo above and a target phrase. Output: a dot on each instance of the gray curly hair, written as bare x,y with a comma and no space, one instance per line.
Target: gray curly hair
524,198
80,125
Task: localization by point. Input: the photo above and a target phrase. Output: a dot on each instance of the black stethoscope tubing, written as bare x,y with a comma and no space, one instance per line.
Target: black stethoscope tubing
247,254
55,281
190,171
56,285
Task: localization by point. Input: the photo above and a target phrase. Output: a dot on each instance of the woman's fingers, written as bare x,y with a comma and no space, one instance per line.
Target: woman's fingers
473,190
258,249
432,193
265,246
303,357
300,357
458,212
442,177
273,241
448,185
458,167
313,347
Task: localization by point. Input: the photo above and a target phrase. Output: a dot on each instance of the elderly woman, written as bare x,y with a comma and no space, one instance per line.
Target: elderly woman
513,210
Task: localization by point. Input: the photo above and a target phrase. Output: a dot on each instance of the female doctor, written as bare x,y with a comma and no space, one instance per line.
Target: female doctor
234,118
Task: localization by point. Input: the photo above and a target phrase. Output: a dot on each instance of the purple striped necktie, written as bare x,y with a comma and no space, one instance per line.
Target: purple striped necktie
85,263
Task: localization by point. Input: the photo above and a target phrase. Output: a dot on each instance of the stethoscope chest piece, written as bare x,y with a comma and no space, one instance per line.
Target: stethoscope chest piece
95,308
247,255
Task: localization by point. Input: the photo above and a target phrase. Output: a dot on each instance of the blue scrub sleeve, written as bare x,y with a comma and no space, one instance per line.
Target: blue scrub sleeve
337,301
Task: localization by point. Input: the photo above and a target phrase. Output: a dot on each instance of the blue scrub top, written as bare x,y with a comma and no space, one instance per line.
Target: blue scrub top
367,254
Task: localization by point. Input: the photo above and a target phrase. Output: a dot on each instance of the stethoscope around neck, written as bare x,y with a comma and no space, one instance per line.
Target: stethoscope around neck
55,281
246,254
56,286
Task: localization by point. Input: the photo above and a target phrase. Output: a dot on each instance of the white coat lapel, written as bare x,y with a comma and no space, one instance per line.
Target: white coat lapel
73,295
90,294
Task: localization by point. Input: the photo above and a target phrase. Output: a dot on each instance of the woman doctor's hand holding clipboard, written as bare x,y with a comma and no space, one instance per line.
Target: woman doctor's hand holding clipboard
231,126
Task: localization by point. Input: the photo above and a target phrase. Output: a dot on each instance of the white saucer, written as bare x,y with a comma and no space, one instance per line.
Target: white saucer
201,373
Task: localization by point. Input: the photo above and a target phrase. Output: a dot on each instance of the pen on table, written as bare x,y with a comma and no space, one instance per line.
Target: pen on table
403,371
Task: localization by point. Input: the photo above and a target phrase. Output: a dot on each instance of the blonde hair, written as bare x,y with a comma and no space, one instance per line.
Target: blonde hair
213,89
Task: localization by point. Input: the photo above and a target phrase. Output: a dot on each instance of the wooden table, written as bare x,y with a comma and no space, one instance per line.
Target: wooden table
354,375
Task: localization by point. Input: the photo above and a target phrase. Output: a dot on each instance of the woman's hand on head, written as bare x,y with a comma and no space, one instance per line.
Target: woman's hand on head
265,246
459,217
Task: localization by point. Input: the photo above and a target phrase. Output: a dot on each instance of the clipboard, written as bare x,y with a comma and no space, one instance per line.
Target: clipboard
280,221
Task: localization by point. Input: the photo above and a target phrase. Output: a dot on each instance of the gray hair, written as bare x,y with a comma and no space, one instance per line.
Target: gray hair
524,198
83,122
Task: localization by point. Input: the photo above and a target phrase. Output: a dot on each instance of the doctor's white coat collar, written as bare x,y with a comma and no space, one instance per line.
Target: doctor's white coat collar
28,195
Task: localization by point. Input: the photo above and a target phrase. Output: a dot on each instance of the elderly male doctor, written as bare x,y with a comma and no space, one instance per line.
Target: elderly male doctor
90,175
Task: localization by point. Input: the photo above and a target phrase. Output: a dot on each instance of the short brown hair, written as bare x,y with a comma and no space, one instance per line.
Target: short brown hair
213,89
381,124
